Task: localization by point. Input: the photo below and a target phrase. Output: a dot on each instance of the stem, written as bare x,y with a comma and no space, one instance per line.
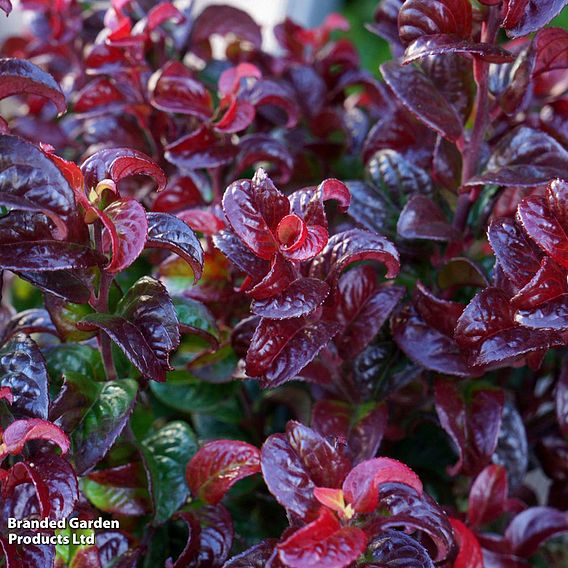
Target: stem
101,305
471,151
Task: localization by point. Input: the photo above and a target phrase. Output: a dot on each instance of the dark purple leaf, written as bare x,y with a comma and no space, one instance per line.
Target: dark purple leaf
551,50
385,24
422,218
19,77
526,16
337,419
174,89
562,399
394,548
518,259
126,230
523,158
323,542
280,349
254,557
300,298
443,44
259,148
418,18
427,346
267,92
216,536
310,89
354,245
551,315
6,5
473,426
437,313
72,285
34,320
119,163
529,529
244,259
419,95
22,369
191,548
362,307
293,464
169,232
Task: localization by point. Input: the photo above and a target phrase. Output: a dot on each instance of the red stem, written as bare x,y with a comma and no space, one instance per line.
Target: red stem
471,152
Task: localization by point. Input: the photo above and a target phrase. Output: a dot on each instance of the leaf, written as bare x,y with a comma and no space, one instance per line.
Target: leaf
362,307
551,47
470,554
169,232
254,209
191,548
562,399
427,346
295,463
106,413
361,486
125,221
323,543
6,5
518,259
267,92
127,501
526,16
145,328
391,548
23,77
529,529
238,117
419,95
166,453
218,465
354,245
418,18
551,315
422,218
22,369
385,24
444,44
523,158
300,298
488,496
195,317
362,427
19,432
473,426
216,535
280,349
118,163
174,89
257,150
255,557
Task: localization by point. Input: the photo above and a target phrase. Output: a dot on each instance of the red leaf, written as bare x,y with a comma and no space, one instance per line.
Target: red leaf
440,314
300,298
173,89
230,79
470,554
19,432
361,486
280,349
529,529
362,307
181,191
488,496
323,543
419,18
474,426
119,163
101,93
419,95
218,465
551,50
19,77
162,13
127,226
237,117
526,16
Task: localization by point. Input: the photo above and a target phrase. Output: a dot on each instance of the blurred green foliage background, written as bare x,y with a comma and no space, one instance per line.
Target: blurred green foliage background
375,50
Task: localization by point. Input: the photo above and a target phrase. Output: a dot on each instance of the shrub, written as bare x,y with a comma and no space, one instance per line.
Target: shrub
267,310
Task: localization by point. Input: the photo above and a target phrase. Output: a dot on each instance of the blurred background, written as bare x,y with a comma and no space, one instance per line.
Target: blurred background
309,13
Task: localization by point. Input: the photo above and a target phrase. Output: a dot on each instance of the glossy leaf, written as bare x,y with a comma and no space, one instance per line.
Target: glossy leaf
422,218
104,416
363,307
171,233
280,349
218,465
488,496
323,543
23,371
392,547
18,433
23,77
526,16
418,18
166,453
417,93
470,554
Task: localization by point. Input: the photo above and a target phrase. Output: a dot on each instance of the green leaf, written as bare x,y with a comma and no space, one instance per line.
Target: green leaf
194,317
129,501
103,422
166,454
73,357
186,393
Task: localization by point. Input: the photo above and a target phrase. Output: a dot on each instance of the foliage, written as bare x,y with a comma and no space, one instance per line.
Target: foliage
268,310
